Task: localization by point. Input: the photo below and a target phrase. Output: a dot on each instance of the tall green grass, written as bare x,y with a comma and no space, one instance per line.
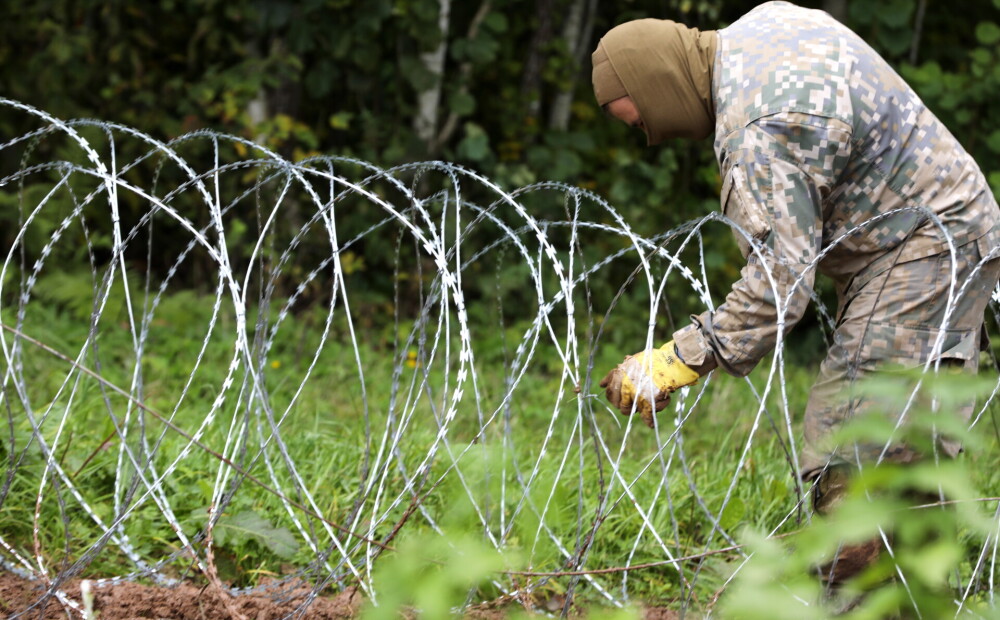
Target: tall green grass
324,435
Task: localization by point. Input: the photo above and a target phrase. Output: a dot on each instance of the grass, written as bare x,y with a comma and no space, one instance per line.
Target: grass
323,420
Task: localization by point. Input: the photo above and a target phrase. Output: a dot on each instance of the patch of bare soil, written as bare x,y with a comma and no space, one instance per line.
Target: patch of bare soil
133,601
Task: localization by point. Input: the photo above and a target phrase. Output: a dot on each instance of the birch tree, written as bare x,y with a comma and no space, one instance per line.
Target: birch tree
428,100
577,32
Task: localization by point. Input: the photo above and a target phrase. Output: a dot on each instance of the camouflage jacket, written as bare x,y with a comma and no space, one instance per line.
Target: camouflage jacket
815,136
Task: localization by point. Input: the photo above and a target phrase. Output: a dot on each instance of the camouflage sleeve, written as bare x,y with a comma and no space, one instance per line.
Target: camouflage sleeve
777,173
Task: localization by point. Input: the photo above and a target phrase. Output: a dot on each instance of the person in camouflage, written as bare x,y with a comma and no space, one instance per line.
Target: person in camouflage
830,163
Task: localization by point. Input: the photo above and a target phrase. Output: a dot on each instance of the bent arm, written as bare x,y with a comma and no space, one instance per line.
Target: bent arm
776,180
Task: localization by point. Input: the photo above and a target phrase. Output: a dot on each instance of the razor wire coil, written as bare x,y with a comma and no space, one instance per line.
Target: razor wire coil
430,215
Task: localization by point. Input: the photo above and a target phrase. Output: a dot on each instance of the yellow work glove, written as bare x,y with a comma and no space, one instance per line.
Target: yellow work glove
650,375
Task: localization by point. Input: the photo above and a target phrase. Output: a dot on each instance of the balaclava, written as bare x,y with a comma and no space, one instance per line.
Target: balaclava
666,68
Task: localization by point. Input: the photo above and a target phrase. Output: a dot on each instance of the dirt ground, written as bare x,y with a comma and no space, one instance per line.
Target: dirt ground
132,601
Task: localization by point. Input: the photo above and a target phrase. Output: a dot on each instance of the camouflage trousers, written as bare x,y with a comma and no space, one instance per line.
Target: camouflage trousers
890,315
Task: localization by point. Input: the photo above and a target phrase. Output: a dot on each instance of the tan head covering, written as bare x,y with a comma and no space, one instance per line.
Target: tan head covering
666,68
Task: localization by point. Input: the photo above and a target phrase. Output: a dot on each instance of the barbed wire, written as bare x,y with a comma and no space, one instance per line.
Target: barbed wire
422,407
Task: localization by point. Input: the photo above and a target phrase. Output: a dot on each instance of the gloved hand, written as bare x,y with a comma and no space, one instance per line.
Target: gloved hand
650,374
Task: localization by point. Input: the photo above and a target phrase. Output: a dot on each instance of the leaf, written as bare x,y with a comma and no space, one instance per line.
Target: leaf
462,103
987,33
497,22
476,144
732,514
895,41
932,563
981,57
567,165
895,14
482,49
773,490
341,120
248,525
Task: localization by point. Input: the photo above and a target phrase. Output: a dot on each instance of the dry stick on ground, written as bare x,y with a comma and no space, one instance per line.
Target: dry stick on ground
213,577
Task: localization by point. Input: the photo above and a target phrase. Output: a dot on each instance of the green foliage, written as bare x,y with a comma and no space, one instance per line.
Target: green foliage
436,574
437,571
433,575
76,292
234,532
927,552
931,544
891,23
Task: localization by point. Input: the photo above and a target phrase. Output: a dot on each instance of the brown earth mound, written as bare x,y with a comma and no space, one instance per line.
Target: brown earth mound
133,600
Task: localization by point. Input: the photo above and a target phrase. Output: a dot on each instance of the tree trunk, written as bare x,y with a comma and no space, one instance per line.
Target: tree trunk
531,81
577,33
464,75
257,112
428,101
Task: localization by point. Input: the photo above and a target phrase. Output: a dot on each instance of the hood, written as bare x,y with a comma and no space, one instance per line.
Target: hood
666,68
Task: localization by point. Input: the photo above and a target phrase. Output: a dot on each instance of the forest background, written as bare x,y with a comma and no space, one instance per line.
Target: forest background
500,86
